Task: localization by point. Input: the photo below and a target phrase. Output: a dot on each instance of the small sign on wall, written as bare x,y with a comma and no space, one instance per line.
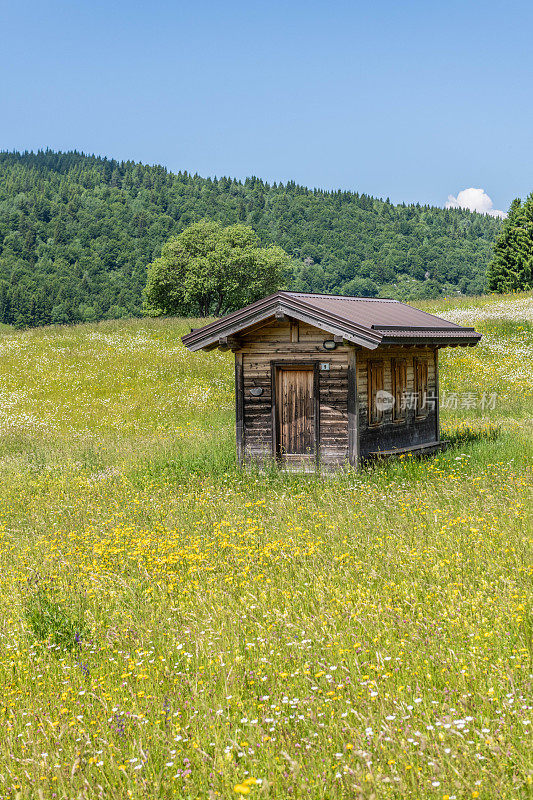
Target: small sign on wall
324,366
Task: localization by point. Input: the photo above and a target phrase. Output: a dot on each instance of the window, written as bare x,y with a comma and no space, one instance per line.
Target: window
399,386
421,387
375,385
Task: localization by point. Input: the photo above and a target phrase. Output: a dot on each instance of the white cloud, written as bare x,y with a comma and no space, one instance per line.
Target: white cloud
474,200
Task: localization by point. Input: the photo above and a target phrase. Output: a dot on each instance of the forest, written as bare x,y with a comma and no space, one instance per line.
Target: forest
78,231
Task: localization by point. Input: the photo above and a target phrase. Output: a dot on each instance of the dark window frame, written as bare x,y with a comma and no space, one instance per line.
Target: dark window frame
375,416
399,387
420,367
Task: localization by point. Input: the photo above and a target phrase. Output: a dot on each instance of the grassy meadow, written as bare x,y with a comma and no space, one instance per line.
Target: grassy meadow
172,627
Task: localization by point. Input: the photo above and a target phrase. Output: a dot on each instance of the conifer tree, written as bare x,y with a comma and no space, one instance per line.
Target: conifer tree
511,269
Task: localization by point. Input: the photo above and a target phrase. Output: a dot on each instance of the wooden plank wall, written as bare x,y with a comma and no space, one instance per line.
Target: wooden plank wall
272,342
389,433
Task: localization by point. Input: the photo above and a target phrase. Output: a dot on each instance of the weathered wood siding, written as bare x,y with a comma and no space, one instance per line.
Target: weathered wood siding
280,342
389,433
276,342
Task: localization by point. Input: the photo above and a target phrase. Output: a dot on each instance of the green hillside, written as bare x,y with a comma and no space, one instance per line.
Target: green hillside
76,234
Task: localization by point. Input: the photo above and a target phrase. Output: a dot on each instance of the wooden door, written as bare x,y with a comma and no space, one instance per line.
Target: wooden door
295,405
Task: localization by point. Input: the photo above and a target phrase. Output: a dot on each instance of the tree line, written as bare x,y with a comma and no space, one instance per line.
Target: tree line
78,231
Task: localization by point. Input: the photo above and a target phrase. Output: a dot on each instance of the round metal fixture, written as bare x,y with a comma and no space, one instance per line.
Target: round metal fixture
329,344
256,391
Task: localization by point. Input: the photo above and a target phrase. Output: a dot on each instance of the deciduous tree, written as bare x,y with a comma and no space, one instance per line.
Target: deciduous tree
209,269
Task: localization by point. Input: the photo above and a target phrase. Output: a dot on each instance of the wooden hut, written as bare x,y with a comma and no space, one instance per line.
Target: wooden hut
328,380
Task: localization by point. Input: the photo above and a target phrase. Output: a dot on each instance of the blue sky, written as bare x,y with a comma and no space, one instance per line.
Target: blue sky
412,100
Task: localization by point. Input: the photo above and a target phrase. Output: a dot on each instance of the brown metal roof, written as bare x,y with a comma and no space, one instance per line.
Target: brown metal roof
373,312
368,322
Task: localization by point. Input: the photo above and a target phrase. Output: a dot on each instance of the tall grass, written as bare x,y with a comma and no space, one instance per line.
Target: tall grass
174,627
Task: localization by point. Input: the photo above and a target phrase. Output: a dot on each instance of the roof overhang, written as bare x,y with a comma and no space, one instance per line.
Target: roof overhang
240,321
430,337
332,322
